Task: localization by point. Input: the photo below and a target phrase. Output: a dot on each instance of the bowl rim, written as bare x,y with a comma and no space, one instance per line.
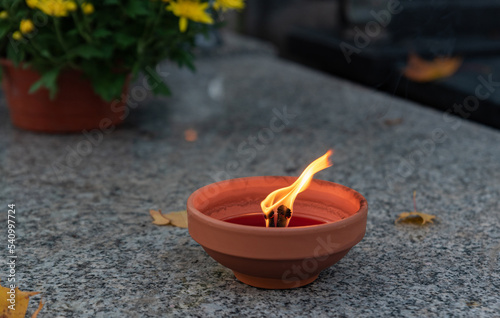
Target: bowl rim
311,229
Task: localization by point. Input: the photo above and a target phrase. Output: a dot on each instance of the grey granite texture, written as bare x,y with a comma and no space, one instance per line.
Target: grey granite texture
87,243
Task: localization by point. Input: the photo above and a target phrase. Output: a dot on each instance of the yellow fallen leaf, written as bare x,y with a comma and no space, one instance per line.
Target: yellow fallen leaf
473,304
190,135
158,218
14,306
415,216
420,70
178,218
393,122
40,306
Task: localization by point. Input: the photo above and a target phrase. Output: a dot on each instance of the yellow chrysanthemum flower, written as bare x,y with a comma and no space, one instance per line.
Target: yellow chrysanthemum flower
71,6
87,8
190,9
17,35
26,26
229,4
4,15
32,3
55,8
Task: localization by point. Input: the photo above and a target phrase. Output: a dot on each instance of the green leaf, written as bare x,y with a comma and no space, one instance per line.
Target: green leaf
87,51
48,80
45,53
72,33
4,29
108,85
185,58
135,8
15,51
102,33
124,40
162,89
156,82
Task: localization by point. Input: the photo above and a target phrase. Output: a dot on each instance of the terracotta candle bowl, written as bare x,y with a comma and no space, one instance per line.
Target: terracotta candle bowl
276,258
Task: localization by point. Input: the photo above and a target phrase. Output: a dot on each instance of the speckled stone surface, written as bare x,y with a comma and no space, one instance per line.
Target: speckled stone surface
87,243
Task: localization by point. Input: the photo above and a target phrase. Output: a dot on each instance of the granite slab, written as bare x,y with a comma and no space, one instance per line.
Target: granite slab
86,241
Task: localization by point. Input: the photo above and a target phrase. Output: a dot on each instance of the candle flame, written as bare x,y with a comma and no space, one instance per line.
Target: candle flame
286,196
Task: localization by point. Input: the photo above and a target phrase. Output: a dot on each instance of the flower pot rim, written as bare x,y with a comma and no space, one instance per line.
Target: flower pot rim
7,62
278,232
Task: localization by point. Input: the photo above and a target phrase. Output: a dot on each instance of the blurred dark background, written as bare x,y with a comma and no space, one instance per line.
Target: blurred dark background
369,42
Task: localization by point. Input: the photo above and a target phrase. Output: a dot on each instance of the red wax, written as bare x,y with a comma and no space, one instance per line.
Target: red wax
257,219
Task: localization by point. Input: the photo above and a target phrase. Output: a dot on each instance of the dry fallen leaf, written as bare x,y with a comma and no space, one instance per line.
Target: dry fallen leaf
158,218
190,135
420,70
37,311
178,218
19,303
393,122
473,304
415,216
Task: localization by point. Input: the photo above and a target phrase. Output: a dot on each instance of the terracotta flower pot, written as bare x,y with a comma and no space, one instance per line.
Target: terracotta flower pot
76,107
276,258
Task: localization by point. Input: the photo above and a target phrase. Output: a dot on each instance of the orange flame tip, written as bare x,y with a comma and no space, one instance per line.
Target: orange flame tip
286,196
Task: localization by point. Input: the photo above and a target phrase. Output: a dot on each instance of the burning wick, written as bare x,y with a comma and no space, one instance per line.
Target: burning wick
282,199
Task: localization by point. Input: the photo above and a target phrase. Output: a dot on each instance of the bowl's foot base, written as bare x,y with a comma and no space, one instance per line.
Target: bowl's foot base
272,283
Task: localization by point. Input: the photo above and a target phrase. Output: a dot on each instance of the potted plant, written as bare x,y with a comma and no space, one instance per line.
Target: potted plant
66,64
